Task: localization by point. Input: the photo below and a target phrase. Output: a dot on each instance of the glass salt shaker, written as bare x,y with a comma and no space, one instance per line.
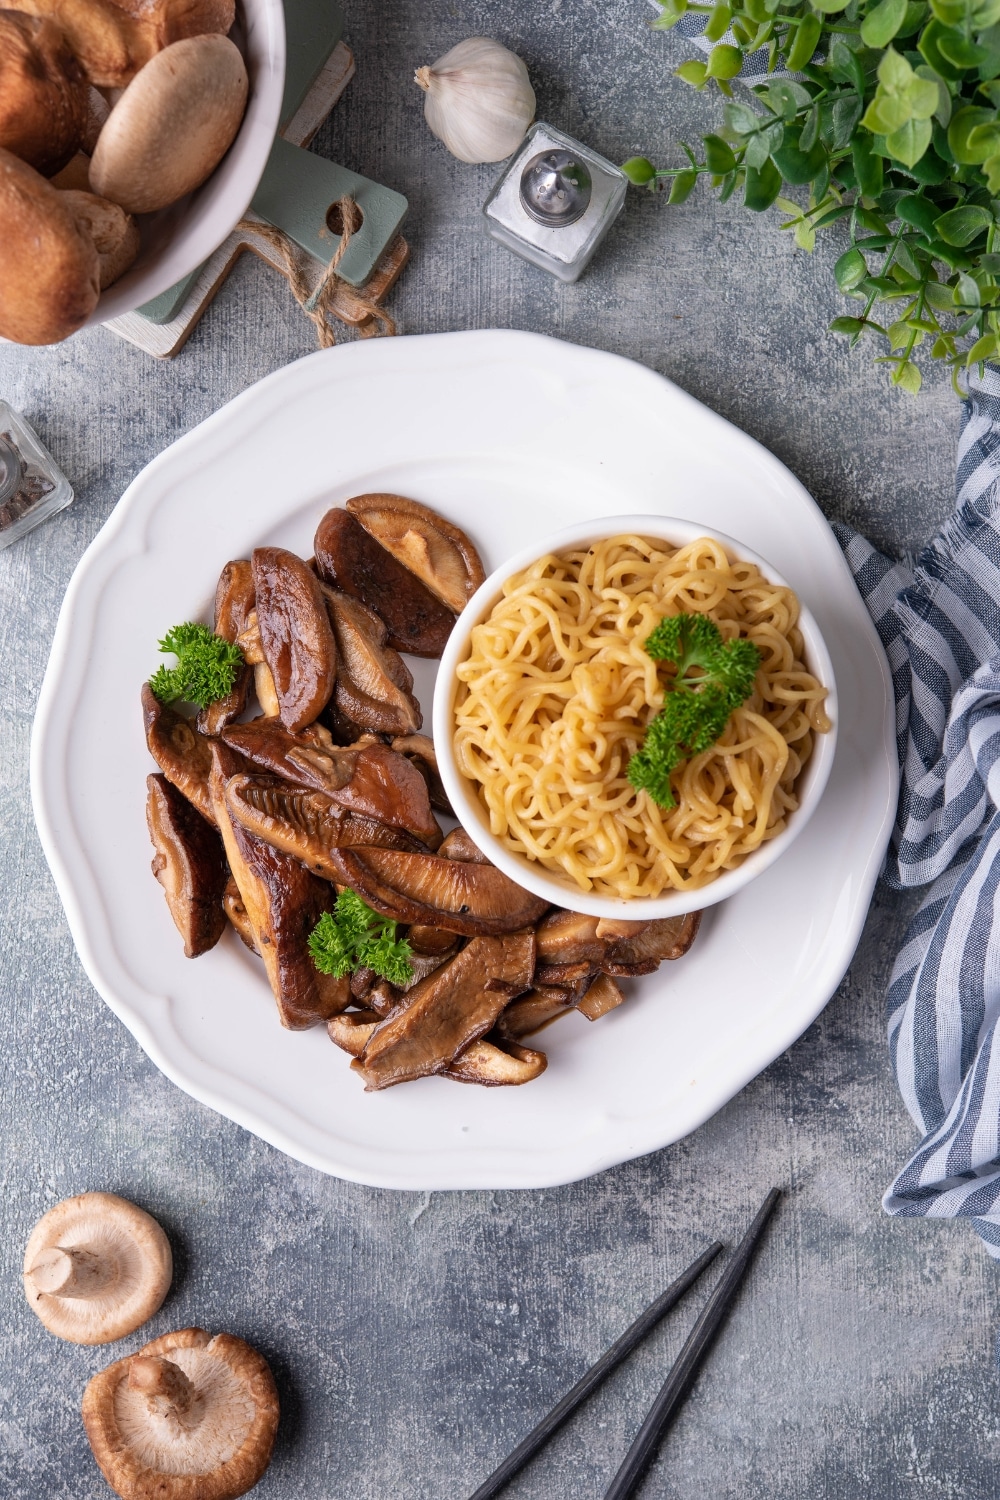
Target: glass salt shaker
555,202
32,486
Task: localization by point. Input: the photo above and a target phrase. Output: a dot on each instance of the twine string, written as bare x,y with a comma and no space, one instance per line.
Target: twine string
316,302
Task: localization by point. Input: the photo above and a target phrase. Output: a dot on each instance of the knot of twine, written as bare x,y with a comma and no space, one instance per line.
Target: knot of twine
316,301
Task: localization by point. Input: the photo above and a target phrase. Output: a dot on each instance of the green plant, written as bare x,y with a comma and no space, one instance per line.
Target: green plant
206,666
891,126
353,937
695,709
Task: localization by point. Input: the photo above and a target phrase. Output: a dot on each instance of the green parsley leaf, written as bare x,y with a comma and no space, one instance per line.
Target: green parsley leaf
207,666
353,937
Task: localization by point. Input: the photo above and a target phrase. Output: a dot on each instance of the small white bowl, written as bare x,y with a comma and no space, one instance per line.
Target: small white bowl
560,889
178,239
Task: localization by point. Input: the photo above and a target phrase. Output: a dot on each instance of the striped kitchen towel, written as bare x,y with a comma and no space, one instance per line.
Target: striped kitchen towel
940,626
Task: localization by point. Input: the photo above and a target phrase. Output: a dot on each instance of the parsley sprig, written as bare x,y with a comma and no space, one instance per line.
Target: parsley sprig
206,666
353,937
696,709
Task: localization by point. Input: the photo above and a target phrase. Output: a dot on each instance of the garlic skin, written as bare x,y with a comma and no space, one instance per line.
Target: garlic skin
479,100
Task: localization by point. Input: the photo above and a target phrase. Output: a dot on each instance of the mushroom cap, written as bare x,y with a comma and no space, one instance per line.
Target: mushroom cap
44,96
116,1236
217,1452
172,126
49,266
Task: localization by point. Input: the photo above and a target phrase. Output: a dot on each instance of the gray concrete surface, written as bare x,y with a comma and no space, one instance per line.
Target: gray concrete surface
415,1338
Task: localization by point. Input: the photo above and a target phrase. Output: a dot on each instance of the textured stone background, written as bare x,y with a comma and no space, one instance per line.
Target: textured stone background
415,1338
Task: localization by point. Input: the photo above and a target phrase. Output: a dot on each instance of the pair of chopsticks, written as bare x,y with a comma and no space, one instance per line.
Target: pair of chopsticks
678,1382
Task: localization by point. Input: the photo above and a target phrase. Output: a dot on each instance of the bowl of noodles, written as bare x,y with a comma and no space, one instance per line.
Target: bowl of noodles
546,693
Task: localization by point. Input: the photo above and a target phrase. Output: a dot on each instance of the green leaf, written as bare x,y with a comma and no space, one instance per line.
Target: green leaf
639,171
940,296
810,130
991,171
966,293
851,327
850,270
718,155
961,128
718,23
830,7
929,48
894,72
762,186
786,97
907,376
806,40
881,24
965,55
682,186
693,72
919,211
740,119
725,62
983,348
867,166
909,143
960,226
942,112
798,166
846,114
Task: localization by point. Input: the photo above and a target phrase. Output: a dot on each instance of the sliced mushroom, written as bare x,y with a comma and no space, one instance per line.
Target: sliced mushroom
172,126
571,976
190,1417
458,845
465,898
43,92
601,996
438,552
267,695
283,903
496,1064
434,942
182,754
569,937
454,1006
232,905
114,38
190,864
295,635
532,1012
419,750
308,825
368,778
352,561
96,1268
249,640
656,942
234,601
49,267
114,232
352,1030
373,684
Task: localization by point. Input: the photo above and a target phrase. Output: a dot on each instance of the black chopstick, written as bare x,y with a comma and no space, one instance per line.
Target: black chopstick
677,1384
589,1382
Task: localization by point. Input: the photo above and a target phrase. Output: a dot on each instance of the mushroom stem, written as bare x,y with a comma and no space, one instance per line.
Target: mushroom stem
168,1391
77,1272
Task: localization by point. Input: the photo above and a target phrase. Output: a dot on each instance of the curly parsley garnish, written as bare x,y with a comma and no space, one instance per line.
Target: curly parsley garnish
353,937
696,709
207,666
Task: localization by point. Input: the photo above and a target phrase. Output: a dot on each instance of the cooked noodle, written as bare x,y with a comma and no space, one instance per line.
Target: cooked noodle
556,693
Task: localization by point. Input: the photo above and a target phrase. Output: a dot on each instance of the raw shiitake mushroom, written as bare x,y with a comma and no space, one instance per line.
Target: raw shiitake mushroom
114,232
114,38
50,275
44,95
172,126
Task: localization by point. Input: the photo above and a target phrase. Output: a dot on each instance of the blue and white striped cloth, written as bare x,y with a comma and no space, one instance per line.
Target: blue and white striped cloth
940,626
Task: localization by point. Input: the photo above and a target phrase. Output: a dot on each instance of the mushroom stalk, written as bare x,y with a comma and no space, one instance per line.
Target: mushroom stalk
77,1272
168,1391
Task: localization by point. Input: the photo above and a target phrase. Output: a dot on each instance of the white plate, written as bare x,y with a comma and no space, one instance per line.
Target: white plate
512,436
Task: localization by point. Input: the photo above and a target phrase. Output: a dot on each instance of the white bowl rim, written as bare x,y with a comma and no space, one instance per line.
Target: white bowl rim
559,890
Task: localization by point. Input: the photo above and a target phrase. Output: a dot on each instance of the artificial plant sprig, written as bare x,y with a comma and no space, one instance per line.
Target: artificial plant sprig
889,127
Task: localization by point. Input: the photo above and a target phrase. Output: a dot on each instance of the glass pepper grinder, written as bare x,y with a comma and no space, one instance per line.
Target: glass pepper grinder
32,486
555,202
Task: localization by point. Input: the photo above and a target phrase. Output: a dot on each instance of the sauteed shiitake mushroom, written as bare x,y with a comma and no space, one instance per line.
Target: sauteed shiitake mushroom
320,810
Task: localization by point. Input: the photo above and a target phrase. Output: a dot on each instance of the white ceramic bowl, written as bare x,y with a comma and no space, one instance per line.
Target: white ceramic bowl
176,240
560,889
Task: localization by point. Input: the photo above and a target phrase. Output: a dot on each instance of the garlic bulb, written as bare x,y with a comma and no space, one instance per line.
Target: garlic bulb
479,100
